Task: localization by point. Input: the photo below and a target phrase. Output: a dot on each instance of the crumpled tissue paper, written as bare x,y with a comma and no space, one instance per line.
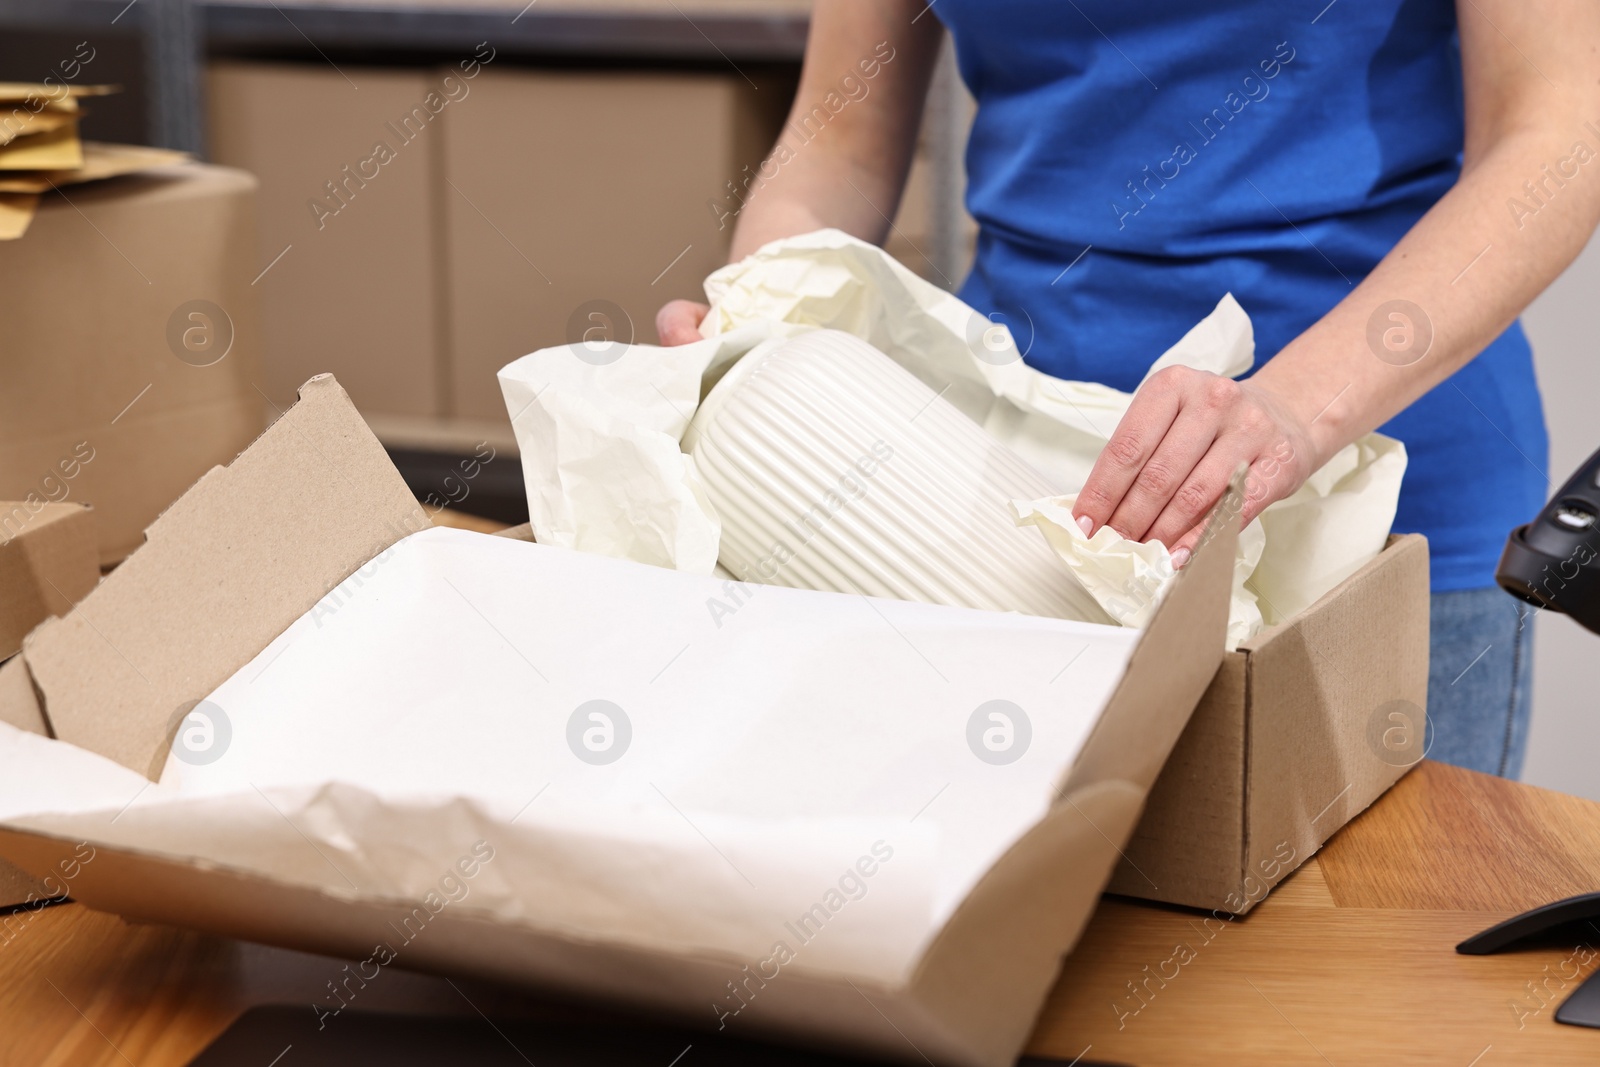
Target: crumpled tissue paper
599,429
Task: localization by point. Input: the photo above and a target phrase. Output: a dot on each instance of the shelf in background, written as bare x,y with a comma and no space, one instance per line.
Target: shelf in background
700,30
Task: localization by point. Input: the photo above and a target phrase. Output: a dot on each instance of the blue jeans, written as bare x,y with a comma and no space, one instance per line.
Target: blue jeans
1480,670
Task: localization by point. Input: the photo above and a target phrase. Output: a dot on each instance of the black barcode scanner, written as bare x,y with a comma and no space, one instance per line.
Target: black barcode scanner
1554,561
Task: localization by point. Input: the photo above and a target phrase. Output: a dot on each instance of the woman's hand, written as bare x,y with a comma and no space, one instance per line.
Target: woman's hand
1173,452
678,322
1467,269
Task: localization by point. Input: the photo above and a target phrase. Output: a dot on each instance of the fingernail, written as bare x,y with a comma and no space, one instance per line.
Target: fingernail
1086,524
1180,557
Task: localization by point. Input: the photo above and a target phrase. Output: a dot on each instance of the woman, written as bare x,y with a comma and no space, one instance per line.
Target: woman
1383,184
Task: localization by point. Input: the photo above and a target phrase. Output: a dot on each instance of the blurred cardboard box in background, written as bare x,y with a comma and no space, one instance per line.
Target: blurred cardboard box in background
130,344
504,212
356,295
573,198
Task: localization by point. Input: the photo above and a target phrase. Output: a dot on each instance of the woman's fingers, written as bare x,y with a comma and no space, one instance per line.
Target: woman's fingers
1136,438
1266,482
1165,476
678,322
1170,458
1197,495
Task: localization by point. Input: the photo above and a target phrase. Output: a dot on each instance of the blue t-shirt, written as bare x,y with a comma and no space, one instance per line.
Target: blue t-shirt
1275,150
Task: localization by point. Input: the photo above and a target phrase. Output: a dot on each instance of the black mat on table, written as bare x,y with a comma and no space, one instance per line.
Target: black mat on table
288,1036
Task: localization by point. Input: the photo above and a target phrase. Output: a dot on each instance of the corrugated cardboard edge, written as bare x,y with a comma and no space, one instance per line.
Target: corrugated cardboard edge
972,999
1268,833
244,552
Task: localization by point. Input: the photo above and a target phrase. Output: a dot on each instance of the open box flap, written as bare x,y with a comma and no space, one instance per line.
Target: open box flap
1175,660
236,559
989,969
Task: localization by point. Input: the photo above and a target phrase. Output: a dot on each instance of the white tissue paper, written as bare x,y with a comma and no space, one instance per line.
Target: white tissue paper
1128,578
709,786
605,473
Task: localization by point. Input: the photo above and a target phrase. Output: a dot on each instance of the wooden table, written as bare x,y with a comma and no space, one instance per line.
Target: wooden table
1350,961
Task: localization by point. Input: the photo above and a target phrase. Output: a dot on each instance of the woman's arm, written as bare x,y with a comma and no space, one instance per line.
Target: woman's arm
1465,271
842,158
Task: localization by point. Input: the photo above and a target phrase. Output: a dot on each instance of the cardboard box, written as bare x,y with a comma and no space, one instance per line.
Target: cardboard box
584,201
1302,728
357,291
130,350
49,560
258,543
493,226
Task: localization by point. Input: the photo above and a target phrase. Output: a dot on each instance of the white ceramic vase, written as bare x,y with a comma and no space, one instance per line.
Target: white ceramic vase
832,467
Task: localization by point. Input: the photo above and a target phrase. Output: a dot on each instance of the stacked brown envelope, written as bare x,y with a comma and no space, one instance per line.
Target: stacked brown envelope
40,149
